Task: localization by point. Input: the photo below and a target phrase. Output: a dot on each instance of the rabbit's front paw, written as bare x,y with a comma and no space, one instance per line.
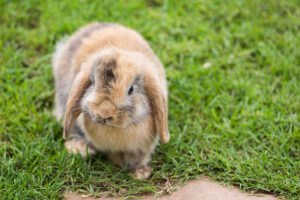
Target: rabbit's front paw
79,146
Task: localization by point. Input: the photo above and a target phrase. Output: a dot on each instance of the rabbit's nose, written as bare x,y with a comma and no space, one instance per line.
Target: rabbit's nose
107,115
108,118
103,120
106,110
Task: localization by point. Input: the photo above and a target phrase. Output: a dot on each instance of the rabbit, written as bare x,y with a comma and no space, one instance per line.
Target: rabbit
111,93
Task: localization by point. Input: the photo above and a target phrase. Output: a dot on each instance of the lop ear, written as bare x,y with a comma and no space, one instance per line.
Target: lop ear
159,107
73,109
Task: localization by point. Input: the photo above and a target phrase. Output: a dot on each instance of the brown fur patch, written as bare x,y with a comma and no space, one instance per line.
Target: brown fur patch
107,73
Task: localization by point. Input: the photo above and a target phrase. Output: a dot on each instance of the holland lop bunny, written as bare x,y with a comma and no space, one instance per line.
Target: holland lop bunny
111,94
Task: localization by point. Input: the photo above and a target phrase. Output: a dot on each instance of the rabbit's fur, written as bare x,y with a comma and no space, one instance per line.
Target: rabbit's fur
111,94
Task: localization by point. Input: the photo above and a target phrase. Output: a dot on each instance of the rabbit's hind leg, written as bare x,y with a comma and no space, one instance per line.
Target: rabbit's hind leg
138,162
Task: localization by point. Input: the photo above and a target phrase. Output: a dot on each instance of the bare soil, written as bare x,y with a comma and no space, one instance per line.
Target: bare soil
202,189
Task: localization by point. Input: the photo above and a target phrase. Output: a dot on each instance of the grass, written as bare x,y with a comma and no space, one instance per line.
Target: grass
236,121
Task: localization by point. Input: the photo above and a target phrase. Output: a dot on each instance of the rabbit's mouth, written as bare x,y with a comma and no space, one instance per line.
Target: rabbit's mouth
115,122
102,120
107,122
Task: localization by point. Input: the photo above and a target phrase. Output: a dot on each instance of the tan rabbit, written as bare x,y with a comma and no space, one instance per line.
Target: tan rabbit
111,94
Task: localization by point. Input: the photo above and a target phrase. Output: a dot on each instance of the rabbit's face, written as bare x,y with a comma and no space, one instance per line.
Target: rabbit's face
116,95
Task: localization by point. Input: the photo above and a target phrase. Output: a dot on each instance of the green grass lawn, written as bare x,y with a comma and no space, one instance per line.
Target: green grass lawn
236,121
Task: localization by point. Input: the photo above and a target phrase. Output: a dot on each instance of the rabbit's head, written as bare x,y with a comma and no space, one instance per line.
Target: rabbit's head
115,88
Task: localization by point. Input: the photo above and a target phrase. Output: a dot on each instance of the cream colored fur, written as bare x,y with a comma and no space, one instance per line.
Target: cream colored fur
127,140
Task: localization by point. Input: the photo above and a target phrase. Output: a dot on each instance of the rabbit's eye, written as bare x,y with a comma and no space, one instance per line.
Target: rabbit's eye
130,90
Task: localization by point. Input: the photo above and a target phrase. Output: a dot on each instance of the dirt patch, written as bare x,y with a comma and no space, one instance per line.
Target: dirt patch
202,189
